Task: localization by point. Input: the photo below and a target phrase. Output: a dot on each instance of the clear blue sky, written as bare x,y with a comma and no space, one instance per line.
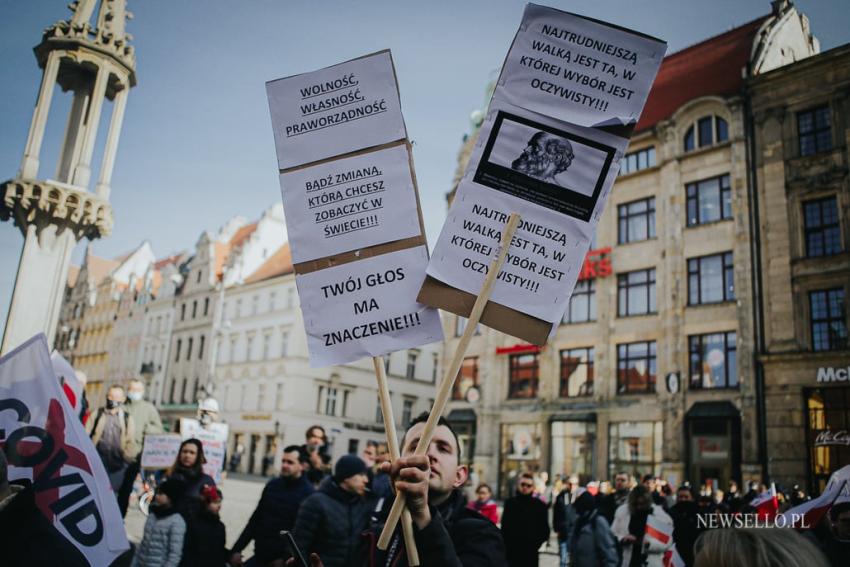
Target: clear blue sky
197,147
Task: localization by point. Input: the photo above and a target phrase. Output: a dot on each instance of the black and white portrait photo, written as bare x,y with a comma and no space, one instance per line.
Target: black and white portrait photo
556,169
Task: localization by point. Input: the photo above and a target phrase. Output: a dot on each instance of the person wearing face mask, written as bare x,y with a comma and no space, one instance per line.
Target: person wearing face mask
112,430
147,422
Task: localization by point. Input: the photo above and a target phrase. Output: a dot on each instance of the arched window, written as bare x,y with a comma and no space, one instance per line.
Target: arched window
705,132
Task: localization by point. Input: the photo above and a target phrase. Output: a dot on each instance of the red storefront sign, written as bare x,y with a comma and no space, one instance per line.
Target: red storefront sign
597,264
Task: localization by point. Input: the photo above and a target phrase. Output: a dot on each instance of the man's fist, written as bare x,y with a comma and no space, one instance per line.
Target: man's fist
410,476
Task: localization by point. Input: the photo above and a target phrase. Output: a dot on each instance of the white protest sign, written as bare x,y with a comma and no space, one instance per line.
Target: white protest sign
579,70
548,249
336,110
367,308
160,451
214,440
350,203
45,443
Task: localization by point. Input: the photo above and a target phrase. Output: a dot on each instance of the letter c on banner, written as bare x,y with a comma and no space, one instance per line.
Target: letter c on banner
18,407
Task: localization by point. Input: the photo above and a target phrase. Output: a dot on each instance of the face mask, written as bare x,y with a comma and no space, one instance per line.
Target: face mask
206,419
135,396
112,404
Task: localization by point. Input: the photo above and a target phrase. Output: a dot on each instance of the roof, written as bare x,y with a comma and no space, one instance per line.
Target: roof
278,264
242,235
73,272
711,67
173,259
99,268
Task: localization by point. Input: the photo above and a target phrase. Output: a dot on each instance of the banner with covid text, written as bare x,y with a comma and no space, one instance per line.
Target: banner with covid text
46,444
569,94
352,210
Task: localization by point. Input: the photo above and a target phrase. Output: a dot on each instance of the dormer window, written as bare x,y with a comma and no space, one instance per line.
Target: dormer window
707,131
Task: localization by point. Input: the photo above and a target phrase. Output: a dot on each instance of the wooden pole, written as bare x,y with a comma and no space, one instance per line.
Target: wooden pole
450,376
395,453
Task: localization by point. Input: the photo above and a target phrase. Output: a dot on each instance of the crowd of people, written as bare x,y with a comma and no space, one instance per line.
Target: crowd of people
336,511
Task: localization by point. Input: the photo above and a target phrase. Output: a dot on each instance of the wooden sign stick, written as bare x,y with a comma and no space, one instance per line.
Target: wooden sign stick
450,376
392,445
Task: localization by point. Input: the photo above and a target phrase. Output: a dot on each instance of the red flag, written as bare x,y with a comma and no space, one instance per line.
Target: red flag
672,558
766,504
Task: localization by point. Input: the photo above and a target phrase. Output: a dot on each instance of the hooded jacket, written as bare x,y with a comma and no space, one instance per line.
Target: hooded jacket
330,522
456,537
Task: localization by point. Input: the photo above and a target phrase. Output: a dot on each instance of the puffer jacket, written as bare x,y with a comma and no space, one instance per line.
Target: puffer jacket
330,522
162,544
592,544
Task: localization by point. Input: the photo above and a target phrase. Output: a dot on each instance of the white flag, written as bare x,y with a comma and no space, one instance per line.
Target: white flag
45,443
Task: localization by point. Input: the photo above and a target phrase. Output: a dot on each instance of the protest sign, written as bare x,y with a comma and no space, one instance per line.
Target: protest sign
336,110
160,451
214,440
71,385
367,307
46,444
549,149
350,203
353,218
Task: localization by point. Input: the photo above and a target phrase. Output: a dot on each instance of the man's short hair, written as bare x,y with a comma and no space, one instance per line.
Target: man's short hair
423,417
136,381
115,387
623,473
302,454
527,475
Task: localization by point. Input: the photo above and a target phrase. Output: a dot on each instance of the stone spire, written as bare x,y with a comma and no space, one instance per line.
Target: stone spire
95,62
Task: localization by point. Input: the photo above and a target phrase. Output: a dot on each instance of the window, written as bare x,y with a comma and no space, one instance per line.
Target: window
255,304
823,234
635,447
330,402
189,348
183,312
284,343
233,349
576,372
353,446
249,348
237,308
711,279
201,347
194,309
387,363
272,297
467,377
636,293
814,131
290,297
713,361
183,391
379,415
406,412
411,364
829,319
636,161
435,358
636,368
460,326
278,396
206,306
709,200
523,375
267,343
198,279
707,131
177,354
582,306
171,394
636,221
261,396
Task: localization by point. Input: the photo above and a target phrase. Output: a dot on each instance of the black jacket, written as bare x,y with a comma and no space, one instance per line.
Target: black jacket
609,503
205,541
564,515
525,522
276,511
190,499
685,529
27,538
330,522
456,537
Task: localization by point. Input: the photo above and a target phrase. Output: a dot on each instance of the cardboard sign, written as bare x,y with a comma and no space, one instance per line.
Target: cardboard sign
214,440
546,158
160,451
367,307
336,110
350,203
354,222
45,442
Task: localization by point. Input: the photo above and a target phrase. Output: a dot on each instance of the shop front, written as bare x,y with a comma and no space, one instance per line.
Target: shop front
713,441
573,447
521,452
827,418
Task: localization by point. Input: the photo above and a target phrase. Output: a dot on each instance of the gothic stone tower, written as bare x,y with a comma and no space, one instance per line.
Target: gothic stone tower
94,61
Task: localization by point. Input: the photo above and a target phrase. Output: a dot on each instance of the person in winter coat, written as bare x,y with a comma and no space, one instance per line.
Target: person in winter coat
686,527
146,421
525,524
112,431
276,511
188,468
165,529
592,544
205,533
330,521
630,529
447,533
564,518
610,502
484,504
